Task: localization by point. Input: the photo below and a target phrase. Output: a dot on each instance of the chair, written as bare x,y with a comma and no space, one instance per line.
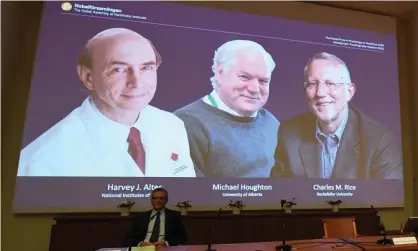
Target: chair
340,228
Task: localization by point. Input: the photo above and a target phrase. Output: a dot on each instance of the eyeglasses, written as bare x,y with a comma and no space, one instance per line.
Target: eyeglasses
329,85
158,198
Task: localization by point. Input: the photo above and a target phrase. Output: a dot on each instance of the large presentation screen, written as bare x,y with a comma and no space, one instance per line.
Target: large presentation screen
212,105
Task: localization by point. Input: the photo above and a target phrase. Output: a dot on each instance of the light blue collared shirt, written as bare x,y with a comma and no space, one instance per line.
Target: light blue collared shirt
329,147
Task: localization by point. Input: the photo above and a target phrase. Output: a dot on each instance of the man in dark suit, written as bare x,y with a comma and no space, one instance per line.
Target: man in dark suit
334,139
159,226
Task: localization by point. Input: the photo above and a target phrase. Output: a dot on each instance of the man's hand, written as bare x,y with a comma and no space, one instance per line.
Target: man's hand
146,243
160,244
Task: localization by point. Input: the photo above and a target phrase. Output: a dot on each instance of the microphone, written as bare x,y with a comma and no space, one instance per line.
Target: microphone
284,246
219,213
382,231
218,216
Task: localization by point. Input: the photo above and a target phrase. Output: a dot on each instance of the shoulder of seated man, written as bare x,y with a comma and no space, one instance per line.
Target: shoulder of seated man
372,128
296,122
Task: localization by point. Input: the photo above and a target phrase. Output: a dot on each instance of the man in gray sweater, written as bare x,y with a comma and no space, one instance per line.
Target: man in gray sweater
230,133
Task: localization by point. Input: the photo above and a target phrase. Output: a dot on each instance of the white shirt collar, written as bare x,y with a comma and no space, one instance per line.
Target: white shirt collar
222,106
110,134
162,211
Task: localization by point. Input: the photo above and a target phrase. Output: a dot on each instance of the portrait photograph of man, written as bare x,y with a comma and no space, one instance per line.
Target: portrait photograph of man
334,139
230,133
115,132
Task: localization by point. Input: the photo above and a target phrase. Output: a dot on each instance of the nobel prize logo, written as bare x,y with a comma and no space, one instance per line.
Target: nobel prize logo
66,6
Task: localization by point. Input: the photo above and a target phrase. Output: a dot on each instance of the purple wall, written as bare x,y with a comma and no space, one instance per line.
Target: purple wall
187,57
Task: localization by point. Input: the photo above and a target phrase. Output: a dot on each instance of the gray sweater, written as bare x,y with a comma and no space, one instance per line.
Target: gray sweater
224,145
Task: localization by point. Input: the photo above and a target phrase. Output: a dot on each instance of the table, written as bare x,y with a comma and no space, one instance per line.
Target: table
335,244
369,243
311,245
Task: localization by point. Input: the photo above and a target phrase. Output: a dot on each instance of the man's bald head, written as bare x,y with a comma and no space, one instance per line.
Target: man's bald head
86,57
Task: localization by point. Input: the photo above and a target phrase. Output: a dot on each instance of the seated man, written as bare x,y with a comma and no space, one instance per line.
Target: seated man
159,226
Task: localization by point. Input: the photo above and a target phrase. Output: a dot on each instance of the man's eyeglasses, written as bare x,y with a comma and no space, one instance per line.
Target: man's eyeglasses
329,85
158,198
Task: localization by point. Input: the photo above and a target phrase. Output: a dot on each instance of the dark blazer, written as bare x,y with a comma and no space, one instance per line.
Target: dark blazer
367,150
175,233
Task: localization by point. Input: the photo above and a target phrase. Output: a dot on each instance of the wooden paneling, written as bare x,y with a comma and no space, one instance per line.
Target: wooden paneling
91,232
